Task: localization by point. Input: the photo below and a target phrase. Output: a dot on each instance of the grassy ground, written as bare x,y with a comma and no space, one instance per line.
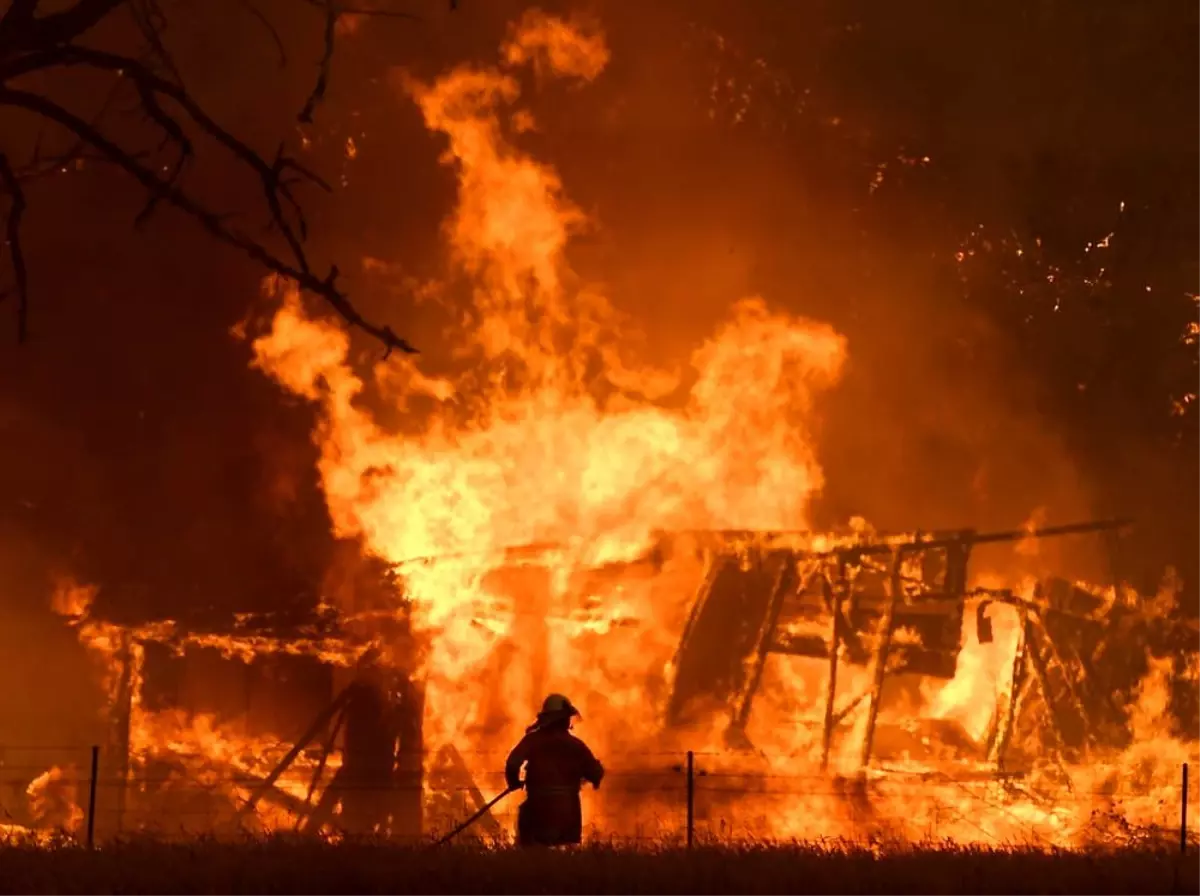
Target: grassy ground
280,866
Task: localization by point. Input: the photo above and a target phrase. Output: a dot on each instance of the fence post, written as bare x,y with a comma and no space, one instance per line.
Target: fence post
1183,812
691,797
91,816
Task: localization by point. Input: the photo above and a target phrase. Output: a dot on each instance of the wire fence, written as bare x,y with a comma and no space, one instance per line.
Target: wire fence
666,797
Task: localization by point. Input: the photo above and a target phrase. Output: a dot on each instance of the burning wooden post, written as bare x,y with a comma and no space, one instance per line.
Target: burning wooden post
364,783
727,625
785,583
122,721
451,774
835,594
331,714
879,659
409,806
1010,704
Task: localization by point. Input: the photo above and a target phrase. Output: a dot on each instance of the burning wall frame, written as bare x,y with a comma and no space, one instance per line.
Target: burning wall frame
891,604
848,607
324,640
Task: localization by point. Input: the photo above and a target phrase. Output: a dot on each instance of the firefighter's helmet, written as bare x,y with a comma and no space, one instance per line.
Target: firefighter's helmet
558,705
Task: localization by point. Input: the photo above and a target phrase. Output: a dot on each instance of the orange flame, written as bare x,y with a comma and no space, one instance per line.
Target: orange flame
53,800
561,443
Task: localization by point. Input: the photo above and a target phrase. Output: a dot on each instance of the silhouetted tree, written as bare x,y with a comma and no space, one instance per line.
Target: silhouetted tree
120,43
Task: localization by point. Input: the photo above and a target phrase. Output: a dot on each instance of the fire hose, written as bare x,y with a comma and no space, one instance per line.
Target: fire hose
478,815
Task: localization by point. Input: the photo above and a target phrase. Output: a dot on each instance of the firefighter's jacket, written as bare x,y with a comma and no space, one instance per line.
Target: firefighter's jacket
556,765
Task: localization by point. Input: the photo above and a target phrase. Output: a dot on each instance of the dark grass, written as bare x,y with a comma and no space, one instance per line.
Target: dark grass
289,866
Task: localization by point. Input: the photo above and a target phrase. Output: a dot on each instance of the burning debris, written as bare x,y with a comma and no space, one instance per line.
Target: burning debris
559,515
367,761
900,617
54,800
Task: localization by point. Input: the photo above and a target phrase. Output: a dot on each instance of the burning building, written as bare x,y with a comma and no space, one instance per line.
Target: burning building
552,513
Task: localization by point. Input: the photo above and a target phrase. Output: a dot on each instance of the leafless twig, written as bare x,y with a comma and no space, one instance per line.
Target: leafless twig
12,239
318,91
334,10
31,43
262,19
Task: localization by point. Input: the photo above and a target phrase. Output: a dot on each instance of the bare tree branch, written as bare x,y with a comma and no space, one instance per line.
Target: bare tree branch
334,10
54,28
349,9
12,239
38,166
151,23
165,190
30,44
318,91
262,19
19,14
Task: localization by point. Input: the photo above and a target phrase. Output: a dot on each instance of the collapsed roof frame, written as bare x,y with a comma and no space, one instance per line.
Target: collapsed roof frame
822,583
804,564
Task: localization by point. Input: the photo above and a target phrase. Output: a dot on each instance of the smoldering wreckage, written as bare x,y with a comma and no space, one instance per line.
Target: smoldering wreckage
665,577
882,615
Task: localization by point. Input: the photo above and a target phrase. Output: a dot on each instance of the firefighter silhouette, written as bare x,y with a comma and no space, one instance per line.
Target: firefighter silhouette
556,765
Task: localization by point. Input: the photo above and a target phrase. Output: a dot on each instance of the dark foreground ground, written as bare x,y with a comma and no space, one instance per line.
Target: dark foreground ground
295,867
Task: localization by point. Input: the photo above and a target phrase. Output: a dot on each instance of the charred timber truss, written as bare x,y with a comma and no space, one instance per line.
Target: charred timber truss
375,723
894,605
379,782
890,604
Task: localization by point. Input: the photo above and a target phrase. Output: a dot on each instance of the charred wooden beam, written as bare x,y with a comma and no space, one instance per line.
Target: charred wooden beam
320,723
274,796
1037,665
887,543
122,722
462,775
785,579
1017,686
319,771
852,704
879,668
409,803
713,655
1054,661
367,775
323,813
833,596
881,544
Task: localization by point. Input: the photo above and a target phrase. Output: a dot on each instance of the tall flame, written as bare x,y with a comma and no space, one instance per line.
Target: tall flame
550,431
